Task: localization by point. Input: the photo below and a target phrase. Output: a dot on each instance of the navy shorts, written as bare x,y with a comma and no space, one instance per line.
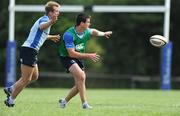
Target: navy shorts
28,56
68,61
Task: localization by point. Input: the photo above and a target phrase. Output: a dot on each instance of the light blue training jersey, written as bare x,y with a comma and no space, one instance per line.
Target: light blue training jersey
36,36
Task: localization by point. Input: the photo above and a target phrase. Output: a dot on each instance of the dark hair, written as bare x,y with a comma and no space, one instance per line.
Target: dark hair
82,17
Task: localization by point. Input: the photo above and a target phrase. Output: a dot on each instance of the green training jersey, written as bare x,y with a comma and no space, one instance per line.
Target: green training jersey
78,42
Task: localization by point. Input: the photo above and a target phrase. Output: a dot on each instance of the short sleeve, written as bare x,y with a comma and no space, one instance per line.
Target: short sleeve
90,31
43,20
68,40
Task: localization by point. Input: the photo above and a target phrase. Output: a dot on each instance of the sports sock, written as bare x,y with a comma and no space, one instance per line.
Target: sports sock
85,103
64,101
11,100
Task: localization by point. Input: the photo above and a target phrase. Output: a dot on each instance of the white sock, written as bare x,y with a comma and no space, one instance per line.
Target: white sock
85,103
64,100
11,100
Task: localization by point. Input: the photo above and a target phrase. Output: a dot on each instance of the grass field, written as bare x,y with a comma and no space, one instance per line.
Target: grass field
105,102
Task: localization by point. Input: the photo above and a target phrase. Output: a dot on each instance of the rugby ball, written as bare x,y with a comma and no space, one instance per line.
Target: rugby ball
158,40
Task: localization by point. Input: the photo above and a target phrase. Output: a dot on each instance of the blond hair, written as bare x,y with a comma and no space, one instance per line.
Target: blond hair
49,6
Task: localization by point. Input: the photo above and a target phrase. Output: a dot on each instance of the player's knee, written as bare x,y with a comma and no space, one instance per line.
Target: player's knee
34,77
82,77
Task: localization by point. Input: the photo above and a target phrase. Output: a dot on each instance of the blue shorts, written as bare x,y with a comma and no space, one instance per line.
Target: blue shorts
28,56
68,61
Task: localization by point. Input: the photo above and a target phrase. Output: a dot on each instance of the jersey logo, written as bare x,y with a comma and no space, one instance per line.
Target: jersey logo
80,47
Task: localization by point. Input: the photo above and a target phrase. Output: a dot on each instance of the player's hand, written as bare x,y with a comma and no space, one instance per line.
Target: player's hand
107,34
94,57
55,38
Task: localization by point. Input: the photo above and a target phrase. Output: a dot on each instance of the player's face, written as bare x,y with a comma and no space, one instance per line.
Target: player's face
87,23
56,11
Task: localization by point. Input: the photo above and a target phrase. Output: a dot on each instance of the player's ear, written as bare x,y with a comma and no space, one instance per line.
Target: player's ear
82,23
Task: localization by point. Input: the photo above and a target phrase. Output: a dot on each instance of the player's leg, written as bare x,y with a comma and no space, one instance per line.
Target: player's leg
80,78
67,62
77,72
8,90
75,69
26,74
72,93
63,102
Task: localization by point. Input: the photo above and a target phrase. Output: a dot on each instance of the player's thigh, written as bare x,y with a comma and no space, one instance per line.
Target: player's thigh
77,72
26,71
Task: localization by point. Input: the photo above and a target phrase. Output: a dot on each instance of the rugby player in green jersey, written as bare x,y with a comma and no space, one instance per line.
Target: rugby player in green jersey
72,53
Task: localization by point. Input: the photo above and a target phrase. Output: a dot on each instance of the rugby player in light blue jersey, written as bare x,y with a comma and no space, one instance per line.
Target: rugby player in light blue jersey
29,51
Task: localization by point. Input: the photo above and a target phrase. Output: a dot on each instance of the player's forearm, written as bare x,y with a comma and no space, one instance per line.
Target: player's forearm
54,38
98,33
106,34
79,55
49,37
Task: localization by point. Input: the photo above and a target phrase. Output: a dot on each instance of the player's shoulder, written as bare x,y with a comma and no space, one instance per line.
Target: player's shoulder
68,35
44,18
69,31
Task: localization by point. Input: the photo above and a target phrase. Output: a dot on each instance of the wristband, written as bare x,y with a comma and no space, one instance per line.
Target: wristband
101,33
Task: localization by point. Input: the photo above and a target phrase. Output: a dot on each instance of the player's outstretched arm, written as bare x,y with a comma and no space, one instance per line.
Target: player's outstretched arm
106,34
